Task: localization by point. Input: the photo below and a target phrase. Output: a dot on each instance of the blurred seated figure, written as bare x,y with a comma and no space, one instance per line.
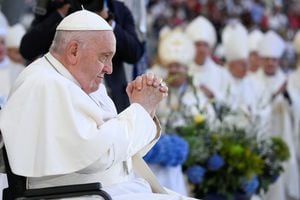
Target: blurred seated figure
175,52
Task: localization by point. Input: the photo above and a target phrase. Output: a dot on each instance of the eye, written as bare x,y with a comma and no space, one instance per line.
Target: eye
104,58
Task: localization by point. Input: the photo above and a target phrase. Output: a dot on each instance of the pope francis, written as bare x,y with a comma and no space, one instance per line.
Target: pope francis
60,127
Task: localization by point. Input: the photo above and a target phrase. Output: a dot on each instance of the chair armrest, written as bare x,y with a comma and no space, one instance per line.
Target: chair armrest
67,191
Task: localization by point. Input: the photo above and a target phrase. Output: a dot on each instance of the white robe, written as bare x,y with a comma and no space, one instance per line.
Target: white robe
240,93
209,74
64,136
278,117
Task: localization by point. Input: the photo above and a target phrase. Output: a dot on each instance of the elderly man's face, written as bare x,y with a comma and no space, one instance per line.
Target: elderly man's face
177,74
238,68
2,48
254,61
202,52
270,65
96,61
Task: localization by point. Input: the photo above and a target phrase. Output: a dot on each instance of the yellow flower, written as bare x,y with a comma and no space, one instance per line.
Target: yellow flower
198,119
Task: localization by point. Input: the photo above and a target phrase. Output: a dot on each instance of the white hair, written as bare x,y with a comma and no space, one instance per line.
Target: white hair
62,38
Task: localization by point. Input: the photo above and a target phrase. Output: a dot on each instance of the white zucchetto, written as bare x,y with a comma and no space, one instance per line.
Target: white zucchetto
297,42
84,20
201,29
14,35
253,40
271,45
175,46
234,39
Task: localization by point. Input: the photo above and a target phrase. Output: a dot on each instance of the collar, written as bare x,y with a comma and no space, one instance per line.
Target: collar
60,68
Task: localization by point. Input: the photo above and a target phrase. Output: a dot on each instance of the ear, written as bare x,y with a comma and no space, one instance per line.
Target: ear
72,52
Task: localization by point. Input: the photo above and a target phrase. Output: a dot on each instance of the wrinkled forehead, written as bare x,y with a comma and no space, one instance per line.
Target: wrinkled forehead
103,41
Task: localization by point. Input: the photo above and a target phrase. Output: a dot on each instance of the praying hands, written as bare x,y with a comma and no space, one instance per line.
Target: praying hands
147,90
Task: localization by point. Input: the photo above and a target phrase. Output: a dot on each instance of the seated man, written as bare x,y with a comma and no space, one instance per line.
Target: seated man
60,127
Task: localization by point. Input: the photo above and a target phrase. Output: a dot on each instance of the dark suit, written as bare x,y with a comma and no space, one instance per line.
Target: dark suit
38,39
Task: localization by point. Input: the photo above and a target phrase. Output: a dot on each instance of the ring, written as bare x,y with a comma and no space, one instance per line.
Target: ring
162,84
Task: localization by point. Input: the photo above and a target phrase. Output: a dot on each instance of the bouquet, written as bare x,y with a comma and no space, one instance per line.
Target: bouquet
226,159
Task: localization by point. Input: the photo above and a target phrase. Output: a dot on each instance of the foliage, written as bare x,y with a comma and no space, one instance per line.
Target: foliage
226,157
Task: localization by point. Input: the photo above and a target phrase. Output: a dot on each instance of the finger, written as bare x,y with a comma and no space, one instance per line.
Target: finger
138,83
157,81
150,78
163,89
129,88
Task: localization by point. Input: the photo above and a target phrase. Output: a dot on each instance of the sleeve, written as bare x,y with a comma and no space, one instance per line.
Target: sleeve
59,123
38,38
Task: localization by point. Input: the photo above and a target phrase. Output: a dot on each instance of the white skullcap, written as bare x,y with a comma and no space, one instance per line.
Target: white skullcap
271,45
253,40
176,47
201,29
14,35
3,24
84,20
235,42
297,42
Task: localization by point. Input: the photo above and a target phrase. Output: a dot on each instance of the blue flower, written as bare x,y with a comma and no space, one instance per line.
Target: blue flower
157,152
170,150
251,185
176,151
215,162
195,174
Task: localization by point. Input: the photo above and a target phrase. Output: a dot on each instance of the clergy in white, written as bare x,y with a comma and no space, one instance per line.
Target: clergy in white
294,91
275,104
207,75
176,51
238,91
67,128
254,38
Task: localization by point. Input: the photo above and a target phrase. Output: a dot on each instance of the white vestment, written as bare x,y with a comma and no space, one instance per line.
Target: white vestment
278,115
240,93
209,74
59,135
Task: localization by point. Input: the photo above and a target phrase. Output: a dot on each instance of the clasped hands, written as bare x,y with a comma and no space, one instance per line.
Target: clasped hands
147,90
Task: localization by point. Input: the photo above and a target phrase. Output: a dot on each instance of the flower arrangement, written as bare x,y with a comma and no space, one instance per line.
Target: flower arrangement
226,159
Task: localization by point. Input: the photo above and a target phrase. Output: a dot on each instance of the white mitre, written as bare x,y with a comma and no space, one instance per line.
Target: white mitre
271,45
176,47
14,35
83,20
235,42
253,40
297,42
201,29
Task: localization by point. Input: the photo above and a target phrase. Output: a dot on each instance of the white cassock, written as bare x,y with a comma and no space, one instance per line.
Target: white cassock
240,93
294,91
64,136
209,74
170,177
278,117
9,71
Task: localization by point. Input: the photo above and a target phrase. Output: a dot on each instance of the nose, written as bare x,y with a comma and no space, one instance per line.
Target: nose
108,68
